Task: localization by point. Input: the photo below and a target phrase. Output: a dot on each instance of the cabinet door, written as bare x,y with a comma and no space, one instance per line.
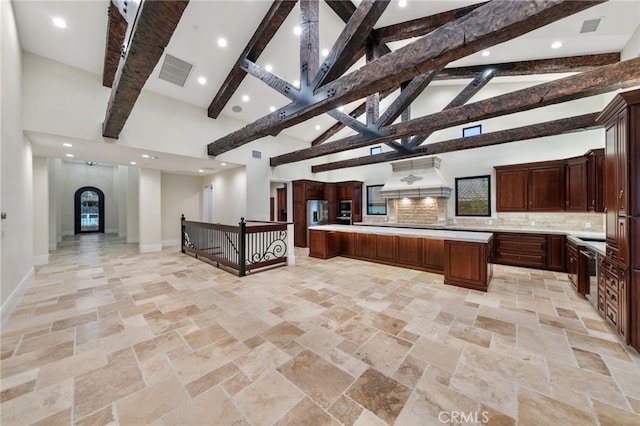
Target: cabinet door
347,244
364,245
611,185
546,188
433,254
556,252
621,163
576,185
409,250
623,240
511,190
356,204
385,248
282,204
595,172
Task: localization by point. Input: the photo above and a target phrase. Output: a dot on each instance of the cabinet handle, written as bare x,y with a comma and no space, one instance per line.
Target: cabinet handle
621,193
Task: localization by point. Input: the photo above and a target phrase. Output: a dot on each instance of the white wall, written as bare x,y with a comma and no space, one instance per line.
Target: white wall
180,195
229,196
40,210
133,219
150,210
76,175
632,49
16,230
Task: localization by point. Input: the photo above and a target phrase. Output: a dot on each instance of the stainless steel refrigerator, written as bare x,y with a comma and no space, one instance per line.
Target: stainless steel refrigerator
317,214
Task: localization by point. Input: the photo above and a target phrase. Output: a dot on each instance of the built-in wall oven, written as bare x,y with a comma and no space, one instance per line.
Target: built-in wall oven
344,212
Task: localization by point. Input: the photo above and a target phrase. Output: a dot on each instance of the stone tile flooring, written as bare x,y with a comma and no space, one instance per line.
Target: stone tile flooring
105,335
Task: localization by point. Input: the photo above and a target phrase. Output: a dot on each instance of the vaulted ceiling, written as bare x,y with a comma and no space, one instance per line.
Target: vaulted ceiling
379,58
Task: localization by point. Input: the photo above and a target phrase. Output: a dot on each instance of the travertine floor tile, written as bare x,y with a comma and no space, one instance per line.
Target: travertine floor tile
106,335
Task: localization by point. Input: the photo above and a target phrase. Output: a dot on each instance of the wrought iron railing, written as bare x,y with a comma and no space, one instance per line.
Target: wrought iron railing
243,248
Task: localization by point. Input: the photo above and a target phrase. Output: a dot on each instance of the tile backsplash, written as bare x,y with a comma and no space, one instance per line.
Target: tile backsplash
564,221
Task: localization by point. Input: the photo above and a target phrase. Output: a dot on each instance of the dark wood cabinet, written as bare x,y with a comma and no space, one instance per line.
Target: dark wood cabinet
433,254
577,267
330,194
531,250
621,188
282,204
511,189
364,245
538,187
576,185
323,244
409,251
386,247
474,272
595,168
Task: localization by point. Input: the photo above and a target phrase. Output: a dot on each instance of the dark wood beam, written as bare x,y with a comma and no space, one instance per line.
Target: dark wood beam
309,40
493,23
550,128
153,28
602,80
116,30
463,97
421,26
351,40
270,24
409,94
540,66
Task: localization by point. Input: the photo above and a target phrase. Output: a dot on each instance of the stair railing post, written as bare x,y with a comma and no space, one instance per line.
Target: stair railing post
241,248
182,231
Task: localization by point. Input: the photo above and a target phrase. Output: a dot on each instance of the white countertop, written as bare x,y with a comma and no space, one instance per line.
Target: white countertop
439,234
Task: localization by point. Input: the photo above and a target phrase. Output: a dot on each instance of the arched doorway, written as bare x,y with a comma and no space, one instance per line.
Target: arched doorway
89,210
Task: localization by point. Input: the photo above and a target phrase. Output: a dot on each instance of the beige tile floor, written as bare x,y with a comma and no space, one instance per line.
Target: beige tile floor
105,335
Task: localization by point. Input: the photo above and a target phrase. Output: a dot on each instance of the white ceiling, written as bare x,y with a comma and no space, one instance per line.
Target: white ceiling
82,45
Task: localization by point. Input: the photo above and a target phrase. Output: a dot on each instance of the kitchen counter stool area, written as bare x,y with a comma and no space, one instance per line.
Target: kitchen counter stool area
464,258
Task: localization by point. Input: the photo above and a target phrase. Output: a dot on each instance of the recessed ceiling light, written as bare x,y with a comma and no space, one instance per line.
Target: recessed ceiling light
223,164
222,42
297,30
68,155
325,52
202,80
133,163
340,108
268,68
145,156
556,45
486,53
402,3
272,108
59,22
317,127
245,98
68,145
296,83
200,171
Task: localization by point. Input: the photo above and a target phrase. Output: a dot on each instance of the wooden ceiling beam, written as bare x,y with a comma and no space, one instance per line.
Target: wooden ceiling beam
270,24
309,40
463,97
540,66
421,26
550,128
490,24
116,31
351,40
153,28
601,80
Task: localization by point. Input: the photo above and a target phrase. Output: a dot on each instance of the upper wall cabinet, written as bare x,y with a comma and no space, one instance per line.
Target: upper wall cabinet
538,187
573,184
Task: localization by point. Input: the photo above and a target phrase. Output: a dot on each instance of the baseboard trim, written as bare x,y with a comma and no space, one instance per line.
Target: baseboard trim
171,243
9,305
150,248
41,260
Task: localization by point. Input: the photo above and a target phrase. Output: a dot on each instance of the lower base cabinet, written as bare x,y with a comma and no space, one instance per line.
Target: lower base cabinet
464,264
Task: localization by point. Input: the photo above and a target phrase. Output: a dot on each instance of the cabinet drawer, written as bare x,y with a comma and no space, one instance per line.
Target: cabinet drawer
527,246
521,259
601,302
611,296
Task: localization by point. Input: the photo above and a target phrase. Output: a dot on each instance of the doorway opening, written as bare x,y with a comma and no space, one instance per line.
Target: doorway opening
89,210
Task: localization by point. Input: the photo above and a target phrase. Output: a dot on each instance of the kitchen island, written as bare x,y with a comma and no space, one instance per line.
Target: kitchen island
464,258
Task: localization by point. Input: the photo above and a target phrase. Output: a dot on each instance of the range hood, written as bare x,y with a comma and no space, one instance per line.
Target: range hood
417,178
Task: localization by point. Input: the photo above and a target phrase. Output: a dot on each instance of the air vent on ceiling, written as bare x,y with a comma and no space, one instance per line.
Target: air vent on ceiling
590,25
174,70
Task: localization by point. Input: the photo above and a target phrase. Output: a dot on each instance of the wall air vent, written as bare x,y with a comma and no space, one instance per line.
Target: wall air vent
256,154
590,25
174,70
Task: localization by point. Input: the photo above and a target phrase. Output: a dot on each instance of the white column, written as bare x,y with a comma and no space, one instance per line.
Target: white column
150,211
40,211
121,192
133,187
53,203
